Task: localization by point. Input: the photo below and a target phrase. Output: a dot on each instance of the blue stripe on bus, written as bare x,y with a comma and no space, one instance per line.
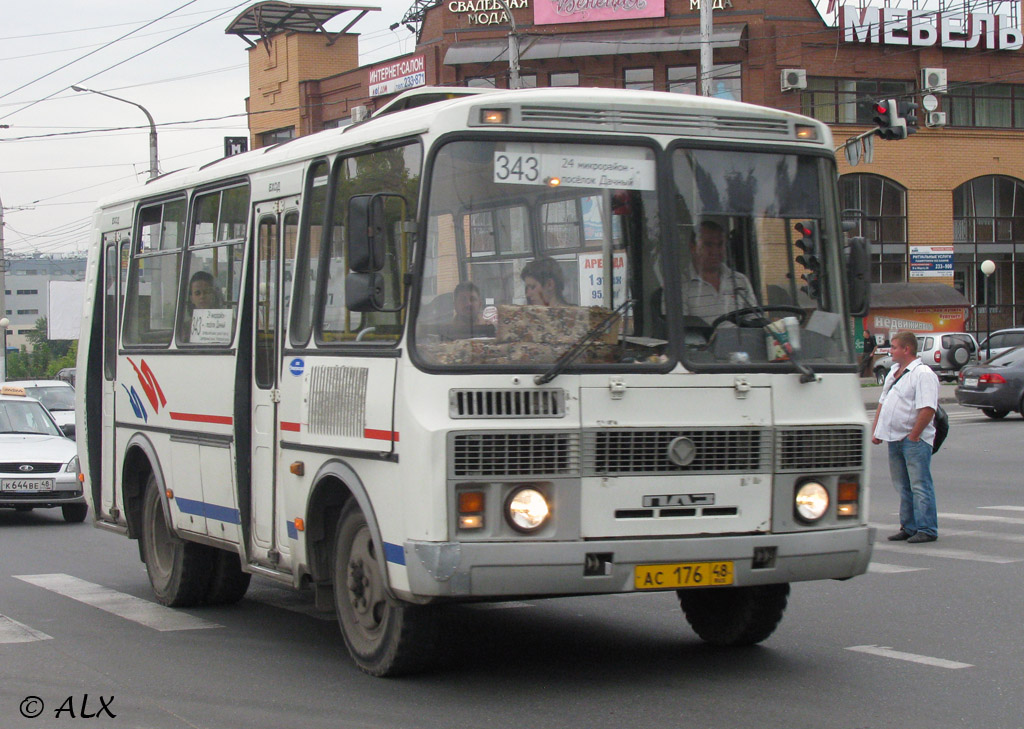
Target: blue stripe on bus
293,533
209,511
394,553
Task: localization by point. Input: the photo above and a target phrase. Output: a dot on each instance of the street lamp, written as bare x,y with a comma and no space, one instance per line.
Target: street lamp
988,268
154,172
4,323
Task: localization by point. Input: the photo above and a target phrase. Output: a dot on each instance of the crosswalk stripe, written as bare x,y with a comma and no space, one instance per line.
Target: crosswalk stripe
11,631
931,551
117,603
981,517
1015,538
887,652
1003,508
883,568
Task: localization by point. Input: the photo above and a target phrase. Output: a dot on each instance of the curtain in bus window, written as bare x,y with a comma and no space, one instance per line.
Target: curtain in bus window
395,175
213,266
153,282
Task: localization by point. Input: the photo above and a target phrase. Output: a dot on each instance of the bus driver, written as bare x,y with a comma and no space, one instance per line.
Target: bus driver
712,288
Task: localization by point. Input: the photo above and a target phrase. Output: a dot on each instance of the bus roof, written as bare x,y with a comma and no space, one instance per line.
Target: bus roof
606,110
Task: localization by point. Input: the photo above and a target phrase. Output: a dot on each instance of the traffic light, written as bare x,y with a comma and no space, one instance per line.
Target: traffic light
907,111
810,259
887,117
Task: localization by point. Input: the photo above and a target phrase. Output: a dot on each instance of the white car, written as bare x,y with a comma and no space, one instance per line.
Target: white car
1002,341
38,464
56,396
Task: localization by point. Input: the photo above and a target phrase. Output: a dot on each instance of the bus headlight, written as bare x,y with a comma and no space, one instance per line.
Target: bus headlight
526,509
811,501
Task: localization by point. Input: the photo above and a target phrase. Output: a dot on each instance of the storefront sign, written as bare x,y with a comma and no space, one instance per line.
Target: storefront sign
921,320
549,12
932,262
398,76
715,4
902,27
486,12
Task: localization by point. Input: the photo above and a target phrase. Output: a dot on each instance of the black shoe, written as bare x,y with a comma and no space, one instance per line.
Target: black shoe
921,537
899,536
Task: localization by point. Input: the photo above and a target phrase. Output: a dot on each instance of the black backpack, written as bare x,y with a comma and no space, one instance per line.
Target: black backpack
941,427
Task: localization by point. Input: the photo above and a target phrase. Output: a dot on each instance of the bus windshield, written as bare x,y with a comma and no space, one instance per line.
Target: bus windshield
520,235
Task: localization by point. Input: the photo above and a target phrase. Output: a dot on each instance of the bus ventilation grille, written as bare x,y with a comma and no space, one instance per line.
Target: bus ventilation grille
718,450
549,403
515,454
646,120
821,448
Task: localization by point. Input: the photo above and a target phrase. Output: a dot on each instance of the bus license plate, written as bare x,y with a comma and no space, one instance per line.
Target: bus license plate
682,574
27,484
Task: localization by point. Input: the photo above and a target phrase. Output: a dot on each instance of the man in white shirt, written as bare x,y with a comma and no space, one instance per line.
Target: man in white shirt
906,409
712,288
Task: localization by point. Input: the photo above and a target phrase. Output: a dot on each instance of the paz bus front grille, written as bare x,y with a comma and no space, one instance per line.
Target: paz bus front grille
719,450
551,453
819,448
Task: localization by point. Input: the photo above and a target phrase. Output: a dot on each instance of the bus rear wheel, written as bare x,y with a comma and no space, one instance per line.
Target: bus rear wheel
734,616
385,636
179,571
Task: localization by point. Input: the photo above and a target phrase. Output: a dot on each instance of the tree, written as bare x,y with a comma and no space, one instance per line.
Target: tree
48,356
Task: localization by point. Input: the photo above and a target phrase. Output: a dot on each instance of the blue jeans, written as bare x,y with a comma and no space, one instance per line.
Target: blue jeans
910,466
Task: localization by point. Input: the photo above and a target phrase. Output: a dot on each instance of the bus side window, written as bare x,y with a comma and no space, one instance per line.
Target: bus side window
396,173
153,280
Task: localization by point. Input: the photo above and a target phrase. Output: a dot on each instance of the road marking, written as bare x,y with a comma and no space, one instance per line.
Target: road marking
1015,538
945,552
886,652
117,603
11,631
1004,508
981,517
500,605
883,568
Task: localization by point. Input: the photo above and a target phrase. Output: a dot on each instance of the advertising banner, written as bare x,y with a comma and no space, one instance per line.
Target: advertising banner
405,73
932,262
920,320
549,12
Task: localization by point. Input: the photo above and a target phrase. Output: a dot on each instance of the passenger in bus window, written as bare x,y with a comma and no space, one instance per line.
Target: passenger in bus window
712,287
467,321
544,282
202,294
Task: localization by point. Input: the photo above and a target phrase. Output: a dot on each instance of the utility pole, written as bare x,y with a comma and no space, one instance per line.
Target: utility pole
514,81
3,298
705,47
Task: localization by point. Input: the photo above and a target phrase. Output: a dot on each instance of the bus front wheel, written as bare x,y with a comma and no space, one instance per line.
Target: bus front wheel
386,637
734,616
179,571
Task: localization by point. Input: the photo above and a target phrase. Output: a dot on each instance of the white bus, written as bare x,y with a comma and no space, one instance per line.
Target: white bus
387,363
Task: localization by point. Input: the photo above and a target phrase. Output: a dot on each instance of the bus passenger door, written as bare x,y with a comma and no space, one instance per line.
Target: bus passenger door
115,245
276,223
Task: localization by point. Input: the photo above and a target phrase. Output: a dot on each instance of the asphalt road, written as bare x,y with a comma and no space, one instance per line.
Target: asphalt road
931,637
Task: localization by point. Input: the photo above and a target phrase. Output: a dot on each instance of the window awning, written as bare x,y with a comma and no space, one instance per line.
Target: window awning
608,43
908,296
264,19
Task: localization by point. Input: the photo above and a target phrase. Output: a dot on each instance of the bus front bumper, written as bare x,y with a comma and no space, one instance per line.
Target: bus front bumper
523,569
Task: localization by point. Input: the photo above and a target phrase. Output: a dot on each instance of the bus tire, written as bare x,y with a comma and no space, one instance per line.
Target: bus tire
179,571
228,583
734,616
384,636
74,513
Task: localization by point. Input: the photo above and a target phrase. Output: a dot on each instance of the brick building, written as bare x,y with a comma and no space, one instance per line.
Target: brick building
952,193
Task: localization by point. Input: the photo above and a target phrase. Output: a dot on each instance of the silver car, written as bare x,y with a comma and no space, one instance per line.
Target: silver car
38,464
1001,341
56,396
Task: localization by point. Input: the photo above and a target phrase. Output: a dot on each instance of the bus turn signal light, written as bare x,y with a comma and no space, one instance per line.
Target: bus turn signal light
471,502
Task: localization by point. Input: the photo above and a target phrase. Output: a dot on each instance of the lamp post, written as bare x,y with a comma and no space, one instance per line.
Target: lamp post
154,172
988,268
4,323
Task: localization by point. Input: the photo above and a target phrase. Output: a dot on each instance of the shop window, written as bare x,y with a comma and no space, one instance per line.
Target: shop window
481,82
528,81
726,82
565,78
985,105
880,205
639,78
848,101
989,210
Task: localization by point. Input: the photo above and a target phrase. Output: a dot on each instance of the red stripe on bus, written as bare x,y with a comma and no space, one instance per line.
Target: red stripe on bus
293,427
380,434
199,418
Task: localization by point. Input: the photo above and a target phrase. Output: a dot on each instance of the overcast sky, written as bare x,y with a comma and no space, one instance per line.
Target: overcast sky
49,185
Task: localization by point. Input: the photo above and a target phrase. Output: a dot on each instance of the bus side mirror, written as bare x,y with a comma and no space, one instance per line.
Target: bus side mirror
858,276
367,233
364,291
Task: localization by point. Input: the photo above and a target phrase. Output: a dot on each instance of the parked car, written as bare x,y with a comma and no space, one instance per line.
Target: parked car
56,396
946,353
881,368
38,465
1000,341
996,386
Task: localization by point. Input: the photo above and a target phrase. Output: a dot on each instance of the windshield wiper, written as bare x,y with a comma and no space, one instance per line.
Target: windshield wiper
570,355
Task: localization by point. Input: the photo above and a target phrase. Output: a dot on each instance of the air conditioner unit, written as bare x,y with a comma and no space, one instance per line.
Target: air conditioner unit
793,79
933,80
935,118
